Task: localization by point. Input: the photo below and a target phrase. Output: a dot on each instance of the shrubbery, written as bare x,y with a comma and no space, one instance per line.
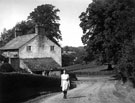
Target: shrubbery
16,87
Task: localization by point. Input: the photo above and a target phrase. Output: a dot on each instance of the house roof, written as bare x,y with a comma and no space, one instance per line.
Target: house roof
53,40
40,64
17,42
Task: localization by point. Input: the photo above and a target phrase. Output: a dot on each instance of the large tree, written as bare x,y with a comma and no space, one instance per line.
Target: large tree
109,34
46,15
107,26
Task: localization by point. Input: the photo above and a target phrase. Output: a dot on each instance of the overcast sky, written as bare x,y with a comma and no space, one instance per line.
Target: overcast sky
13,11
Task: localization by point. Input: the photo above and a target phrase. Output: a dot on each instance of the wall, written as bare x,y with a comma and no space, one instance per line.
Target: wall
11,54
41,52
13,58
55,73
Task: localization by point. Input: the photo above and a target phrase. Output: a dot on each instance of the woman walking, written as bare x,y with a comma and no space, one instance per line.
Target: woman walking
65,83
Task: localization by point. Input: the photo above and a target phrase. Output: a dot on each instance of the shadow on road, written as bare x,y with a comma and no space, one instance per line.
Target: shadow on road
77,97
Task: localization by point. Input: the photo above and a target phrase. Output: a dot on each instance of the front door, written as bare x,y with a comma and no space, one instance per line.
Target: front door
15,63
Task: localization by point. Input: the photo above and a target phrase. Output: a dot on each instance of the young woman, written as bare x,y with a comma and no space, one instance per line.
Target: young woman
65,83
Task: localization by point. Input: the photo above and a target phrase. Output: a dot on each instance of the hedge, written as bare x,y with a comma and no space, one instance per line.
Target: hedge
16,87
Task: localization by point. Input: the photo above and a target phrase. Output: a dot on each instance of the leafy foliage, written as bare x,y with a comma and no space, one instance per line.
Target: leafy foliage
126,63
108,28
6,36
17,87
46,15
73,55
67,59
25,27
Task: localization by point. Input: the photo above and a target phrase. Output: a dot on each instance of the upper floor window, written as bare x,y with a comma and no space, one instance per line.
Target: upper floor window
28,48
51,48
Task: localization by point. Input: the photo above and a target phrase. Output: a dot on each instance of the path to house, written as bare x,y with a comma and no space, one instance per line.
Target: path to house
90,90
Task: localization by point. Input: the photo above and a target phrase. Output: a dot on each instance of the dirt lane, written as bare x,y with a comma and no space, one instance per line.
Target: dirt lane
90,90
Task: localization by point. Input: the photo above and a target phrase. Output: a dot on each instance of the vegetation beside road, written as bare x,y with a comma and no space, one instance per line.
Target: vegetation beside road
15,87
18,87
109,34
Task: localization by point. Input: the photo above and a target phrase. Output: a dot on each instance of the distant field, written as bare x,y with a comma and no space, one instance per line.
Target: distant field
90,67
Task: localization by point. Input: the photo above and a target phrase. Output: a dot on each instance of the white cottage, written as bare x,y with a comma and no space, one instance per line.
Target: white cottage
33,52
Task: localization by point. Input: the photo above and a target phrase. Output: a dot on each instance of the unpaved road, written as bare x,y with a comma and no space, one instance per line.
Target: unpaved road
92,90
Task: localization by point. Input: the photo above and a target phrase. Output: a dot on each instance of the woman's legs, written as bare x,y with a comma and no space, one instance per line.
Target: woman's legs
65,94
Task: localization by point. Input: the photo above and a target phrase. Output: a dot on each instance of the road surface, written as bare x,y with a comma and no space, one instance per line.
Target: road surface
93,90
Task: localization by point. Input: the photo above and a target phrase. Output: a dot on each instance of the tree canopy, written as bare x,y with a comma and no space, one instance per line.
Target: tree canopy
109,34
108,26
46,15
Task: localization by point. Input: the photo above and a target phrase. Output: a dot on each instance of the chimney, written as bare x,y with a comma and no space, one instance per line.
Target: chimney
40,30
17,32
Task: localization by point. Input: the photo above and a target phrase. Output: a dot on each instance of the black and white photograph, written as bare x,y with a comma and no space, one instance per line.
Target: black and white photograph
67,51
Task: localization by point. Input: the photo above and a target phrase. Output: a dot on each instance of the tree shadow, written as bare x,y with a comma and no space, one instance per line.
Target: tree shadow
77,97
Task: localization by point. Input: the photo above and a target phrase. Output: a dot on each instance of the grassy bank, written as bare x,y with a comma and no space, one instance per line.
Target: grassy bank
90,69
125,92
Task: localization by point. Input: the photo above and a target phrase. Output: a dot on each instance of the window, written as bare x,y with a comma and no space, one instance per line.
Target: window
28,48
51,48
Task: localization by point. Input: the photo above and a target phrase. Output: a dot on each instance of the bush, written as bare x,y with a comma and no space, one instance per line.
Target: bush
16,87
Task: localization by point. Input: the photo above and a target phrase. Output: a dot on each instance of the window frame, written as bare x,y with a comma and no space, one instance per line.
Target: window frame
52,48
29,48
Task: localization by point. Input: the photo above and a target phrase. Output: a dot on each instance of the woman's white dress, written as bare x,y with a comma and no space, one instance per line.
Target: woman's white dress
65,82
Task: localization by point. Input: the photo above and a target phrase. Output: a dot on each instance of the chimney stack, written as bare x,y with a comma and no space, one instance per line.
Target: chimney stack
17,32
40,30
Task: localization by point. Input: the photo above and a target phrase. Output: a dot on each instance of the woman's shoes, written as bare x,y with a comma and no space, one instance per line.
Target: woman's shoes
65,97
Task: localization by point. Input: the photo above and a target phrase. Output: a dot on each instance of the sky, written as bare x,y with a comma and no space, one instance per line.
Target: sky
14,11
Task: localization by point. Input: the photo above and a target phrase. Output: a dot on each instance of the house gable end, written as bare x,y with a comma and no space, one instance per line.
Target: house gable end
28,41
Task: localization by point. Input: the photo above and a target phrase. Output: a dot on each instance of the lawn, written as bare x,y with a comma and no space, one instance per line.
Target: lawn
88,69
